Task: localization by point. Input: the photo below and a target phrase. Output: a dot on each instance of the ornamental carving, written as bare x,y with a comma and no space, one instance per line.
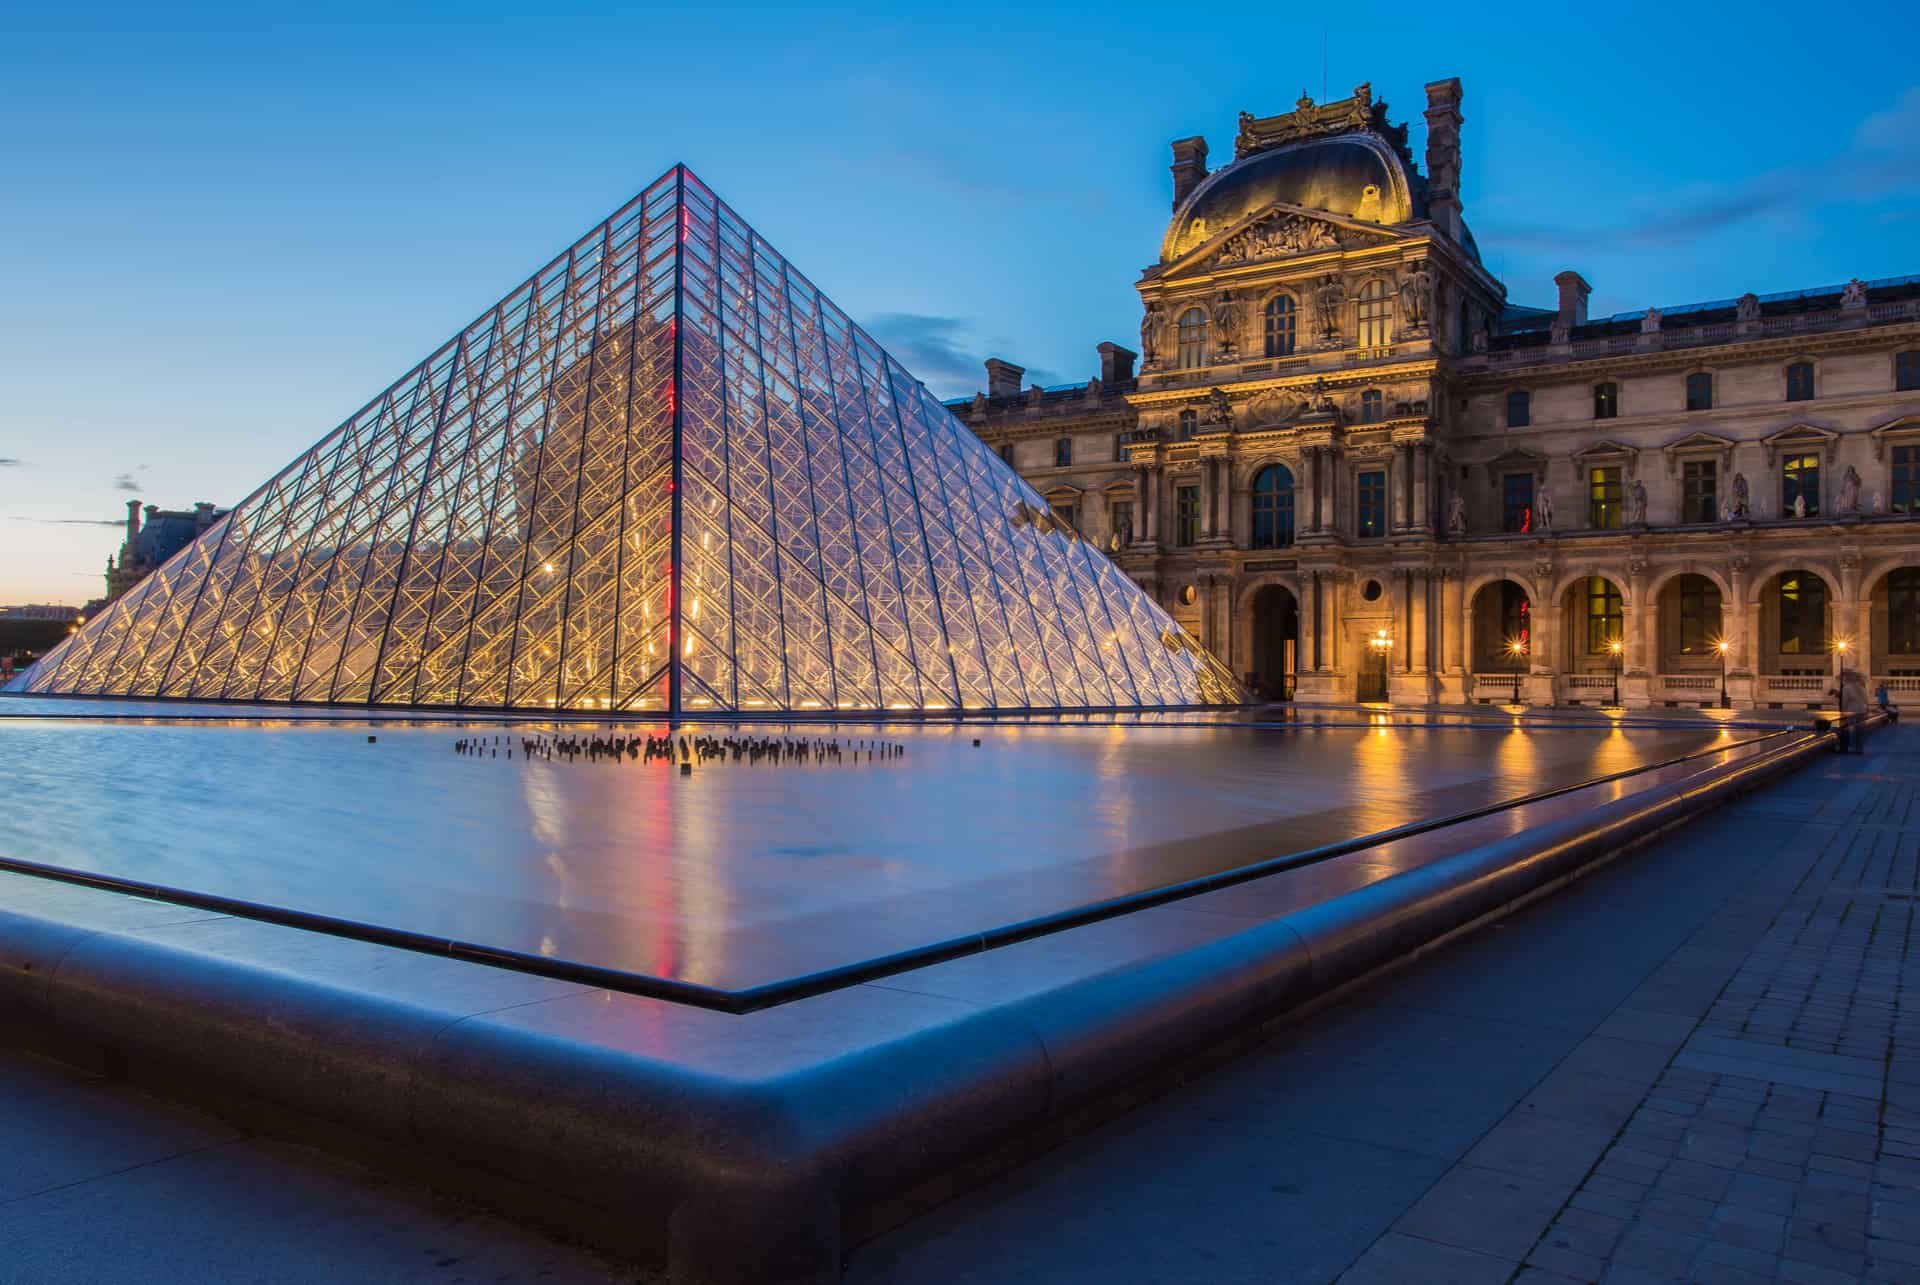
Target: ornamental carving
1272,238
1360,113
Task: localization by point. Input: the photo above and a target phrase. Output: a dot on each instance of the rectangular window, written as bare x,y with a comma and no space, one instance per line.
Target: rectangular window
1067,516
1906,479
1186,515
1606,401
1803,615
1372,487
1700,391
1800,382
1006,453
1516,503
1519,409
1063,452
1800,486
1906,371
1700,491
1603,499
1605,618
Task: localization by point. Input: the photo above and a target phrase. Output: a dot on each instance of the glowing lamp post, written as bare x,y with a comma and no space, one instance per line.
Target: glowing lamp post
1618,649
1517,652
1722,647
1380,644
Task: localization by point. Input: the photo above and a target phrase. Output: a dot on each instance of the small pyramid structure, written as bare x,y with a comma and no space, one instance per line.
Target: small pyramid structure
664,474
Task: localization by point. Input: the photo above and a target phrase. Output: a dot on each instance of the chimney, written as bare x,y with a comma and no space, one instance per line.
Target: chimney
133,520
1189,166
1003,378
1573,298
1443,155
1116,363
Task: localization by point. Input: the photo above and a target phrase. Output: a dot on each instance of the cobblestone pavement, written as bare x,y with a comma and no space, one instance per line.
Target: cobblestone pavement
1780,1141
1698,1064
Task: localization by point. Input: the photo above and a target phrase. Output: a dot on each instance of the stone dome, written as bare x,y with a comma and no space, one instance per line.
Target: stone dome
1356,175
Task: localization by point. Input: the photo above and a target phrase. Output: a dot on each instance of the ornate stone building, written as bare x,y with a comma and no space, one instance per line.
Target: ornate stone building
167,531
1356,471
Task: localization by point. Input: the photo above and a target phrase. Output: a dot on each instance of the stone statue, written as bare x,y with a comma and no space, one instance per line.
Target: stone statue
1150,334
1457,515
1879,504
1854,295
1328,296
1416,294
1322,402
1226,325
1543,511
1637,503
1219,408
1849,497
1650,324
1738,508
1123,530
1276,237
1747,307
1799,506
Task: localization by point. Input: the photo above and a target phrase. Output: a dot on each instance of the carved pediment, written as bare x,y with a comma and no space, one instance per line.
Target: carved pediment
1697,445
1801,437
1904,431
1607,451
1518,461
1272,408
1278,236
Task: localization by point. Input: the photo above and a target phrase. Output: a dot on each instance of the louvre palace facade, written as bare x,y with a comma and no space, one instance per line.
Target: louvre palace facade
1354,470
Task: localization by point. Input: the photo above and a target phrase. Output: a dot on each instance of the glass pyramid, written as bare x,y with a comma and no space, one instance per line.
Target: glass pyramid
666,474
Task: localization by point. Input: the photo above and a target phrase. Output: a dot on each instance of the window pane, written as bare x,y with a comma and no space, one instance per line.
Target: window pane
1803,614
1800,382
1519,410
1272,508
1700,491
1374,312
1903,612
1186,513
1606,401
1605,616
1280,321
1603,498
1906,479
1373,504
1800,486
1063,452
1699,615
1906,371
1372,406
1700,392
1516,502
1193,339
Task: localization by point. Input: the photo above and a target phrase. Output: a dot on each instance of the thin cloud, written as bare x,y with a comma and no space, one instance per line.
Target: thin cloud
940,351
72,521
125,482
7,462
1880,162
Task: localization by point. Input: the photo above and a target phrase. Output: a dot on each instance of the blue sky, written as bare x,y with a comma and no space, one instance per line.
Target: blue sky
222,229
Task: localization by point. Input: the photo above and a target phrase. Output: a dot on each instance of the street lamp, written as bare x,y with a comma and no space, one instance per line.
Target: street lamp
1381,644
1618,649
1722,646
1517,652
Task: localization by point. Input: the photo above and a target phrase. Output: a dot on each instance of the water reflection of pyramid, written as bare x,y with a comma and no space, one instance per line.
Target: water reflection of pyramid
666,404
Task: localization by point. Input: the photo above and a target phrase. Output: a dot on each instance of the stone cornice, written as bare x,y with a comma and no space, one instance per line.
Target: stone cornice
1342,378
1753,348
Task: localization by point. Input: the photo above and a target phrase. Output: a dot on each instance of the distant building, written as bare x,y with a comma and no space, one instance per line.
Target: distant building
1352,467
42,611
166,532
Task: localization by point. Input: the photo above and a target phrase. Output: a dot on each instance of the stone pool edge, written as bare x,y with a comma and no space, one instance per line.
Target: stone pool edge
742,1144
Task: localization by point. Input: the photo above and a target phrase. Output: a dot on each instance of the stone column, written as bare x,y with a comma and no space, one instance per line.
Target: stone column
1149,511
1206,500
1736,624
1422,486
1420,622
1308,658
1334,610
1639,614
1453,623
1314,471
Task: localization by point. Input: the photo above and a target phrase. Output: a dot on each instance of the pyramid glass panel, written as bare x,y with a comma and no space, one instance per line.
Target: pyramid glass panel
664,474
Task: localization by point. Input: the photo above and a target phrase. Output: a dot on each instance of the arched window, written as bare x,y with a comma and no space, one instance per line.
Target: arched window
1373,406
1193,339
1800,382
1189,423
1272,508
1063,452
1903,612
1700,391
1699,615
1519,408
1282,326
1803,614
1605,617
1606,401
1373,310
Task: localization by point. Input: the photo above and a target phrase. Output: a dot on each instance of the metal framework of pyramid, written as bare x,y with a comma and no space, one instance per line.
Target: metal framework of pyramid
664,474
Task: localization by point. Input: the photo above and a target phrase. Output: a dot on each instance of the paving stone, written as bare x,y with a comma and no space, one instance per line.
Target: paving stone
1395,1258
1485,1210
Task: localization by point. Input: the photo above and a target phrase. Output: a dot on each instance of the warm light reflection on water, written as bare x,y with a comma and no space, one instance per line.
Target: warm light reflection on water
743,874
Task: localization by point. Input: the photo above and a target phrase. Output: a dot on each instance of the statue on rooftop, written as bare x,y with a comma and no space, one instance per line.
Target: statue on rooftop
1747,307
1854,295
1650,323
1150,333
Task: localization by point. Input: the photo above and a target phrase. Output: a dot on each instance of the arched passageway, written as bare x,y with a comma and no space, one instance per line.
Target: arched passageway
1276,642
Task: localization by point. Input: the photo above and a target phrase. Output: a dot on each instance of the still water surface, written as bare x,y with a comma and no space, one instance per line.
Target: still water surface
742,874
